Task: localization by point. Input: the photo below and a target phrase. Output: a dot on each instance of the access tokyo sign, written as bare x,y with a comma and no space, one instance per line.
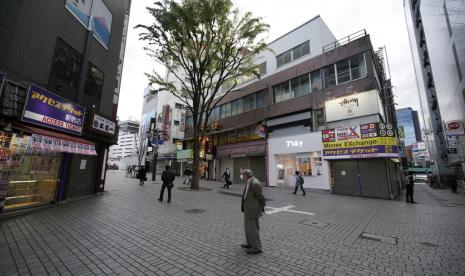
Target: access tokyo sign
46,109
375,140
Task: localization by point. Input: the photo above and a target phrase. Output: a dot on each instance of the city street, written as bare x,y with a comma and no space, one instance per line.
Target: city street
126,231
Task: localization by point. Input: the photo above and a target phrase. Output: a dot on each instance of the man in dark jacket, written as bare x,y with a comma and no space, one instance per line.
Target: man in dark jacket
167,177
252,205
299,182
409,187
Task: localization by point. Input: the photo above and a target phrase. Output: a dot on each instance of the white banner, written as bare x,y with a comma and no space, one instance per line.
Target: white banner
352,106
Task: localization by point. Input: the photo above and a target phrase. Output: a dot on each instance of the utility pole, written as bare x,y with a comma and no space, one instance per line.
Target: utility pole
156,139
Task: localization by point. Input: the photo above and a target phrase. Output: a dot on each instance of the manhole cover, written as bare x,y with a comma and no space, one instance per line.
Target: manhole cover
429,244
195,211
315,223
376,237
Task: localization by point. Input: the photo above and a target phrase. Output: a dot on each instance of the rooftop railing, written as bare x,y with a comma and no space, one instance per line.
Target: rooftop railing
344,40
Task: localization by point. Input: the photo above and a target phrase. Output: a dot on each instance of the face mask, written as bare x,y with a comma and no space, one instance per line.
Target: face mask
242,177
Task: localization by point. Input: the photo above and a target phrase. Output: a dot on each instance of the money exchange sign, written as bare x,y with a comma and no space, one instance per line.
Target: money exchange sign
374,140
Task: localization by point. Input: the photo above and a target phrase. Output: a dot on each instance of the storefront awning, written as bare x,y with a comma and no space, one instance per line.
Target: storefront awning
57,142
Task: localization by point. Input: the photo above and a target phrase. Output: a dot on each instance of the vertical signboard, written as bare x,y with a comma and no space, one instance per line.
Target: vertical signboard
166,122
100,22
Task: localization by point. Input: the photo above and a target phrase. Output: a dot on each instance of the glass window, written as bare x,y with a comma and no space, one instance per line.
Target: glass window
66,64
260,99
249,103
343,71
305,48
94,83
176,123
316,81
330,76
300,85
357,67
296,53
262,69
226,110
281,92
284,58
189,122
236,107
215,115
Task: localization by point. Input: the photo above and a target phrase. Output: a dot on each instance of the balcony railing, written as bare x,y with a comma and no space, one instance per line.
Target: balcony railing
344,40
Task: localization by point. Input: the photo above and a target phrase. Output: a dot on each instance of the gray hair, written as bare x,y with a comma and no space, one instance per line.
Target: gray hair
248,172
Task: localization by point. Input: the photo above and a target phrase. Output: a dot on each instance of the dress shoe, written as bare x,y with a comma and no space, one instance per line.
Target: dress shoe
293,193
254,251
161,200
244,245
414,202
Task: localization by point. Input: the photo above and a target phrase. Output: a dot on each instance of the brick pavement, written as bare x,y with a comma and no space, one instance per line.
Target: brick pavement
127,231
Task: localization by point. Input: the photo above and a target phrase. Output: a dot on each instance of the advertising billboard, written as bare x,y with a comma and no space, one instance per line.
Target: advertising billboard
46,109
94,16
375,140
166,122
100,22
80,9
352,106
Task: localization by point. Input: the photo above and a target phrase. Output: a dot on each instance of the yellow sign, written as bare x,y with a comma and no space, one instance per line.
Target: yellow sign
356,143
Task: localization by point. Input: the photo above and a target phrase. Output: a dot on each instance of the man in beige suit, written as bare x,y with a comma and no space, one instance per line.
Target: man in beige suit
253,204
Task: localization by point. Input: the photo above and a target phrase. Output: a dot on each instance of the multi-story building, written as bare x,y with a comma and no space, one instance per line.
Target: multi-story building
128,137
408,125
320,107
168,115
60,66
436,31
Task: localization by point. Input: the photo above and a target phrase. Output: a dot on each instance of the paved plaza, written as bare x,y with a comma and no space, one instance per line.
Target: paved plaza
126,231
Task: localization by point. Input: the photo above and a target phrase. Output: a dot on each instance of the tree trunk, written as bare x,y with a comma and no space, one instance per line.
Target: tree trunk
195,166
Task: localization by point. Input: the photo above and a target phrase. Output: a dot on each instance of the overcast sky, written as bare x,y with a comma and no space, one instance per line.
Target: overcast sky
383,19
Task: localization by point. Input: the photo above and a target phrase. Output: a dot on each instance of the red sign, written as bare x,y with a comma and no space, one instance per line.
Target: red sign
453,125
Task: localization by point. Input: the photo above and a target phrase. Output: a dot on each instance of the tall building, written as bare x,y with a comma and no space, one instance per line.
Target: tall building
60,67
128,138
167,114
408,125
319,107
436,31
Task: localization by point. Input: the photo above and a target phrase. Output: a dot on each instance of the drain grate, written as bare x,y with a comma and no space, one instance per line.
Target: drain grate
429,244
314,223
380,238
195,211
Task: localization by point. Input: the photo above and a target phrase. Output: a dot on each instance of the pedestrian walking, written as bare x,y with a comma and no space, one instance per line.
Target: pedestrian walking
187,176
128,171
409,187
227,175
133,171
167,177
142,175
252,205
299,182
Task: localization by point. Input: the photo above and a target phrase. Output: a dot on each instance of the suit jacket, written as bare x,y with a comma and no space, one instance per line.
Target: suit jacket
254,203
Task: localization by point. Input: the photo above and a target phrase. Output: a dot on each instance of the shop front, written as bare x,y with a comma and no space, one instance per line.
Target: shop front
31,164
303,153
364,160
35,153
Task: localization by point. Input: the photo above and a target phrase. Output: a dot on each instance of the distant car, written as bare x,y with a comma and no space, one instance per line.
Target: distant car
421,177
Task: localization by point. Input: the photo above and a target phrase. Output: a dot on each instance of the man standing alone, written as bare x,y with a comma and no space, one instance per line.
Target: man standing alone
167,177
409,187
253,204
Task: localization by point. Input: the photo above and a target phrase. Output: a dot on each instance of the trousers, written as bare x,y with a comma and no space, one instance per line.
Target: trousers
252,233
409,194
162,192
301,186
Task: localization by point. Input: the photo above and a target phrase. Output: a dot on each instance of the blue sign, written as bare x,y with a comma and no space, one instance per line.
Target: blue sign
154,141
46,109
